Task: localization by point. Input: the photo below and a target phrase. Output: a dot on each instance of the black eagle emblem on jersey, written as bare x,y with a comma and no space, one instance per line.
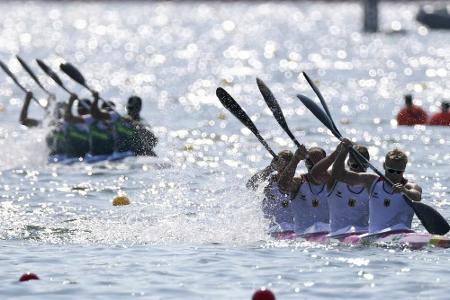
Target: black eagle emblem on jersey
315,203
387,202
351,202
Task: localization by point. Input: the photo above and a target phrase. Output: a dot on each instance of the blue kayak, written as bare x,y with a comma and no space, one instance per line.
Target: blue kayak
89,158
120,155
56,158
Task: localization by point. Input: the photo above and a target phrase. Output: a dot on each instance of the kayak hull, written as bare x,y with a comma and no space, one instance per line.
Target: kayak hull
399,239
90,159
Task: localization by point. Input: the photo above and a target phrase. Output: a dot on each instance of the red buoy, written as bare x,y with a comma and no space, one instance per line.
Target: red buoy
28,276
263,294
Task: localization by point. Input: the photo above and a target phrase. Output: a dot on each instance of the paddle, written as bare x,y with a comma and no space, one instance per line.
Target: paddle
432,220
52,75
58,80
73,73
231,105
273,105
76,75
322,100
14,78
31,73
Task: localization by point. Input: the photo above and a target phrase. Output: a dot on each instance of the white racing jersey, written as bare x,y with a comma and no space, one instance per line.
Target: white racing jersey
349,209
388,210
276,208
310,208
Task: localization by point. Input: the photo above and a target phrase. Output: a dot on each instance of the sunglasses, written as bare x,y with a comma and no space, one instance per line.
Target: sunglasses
394,171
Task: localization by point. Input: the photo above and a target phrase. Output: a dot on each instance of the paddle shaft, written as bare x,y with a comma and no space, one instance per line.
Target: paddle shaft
56,78
14,78
322,100
31,73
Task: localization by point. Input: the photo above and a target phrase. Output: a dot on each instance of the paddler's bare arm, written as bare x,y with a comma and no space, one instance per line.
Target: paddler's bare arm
68,116
339,172
320,170
287,182
412,190
96,113
24,120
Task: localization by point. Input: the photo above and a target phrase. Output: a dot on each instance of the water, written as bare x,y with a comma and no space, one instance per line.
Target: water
192,230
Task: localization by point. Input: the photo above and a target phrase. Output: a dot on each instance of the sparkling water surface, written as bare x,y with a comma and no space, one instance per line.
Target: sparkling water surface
192,230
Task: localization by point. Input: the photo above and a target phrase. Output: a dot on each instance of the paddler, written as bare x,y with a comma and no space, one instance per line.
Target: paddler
77,128
308,194
23,119
275,205
348,204
442,118
388,211
55,138
132,133
411,114
101,137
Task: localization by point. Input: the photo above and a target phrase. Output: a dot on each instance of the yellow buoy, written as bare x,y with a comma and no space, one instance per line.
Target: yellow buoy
121,200
188,147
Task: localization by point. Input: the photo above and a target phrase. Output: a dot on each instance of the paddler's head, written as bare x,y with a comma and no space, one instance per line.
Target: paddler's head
108,105
84,107
394,165
408,100
352,162
282,160
134,106
315,154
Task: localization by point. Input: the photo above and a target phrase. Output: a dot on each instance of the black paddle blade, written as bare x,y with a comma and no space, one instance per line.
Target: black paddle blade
50,72
432,220
273,105
232,106
73,73
319,113
322,100
31,73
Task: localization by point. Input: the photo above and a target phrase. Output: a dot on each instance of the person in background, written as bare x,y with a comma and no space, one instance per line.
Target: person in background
55,139
411,114
77,128
24,119
131,133
101,137
275,204
442,118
